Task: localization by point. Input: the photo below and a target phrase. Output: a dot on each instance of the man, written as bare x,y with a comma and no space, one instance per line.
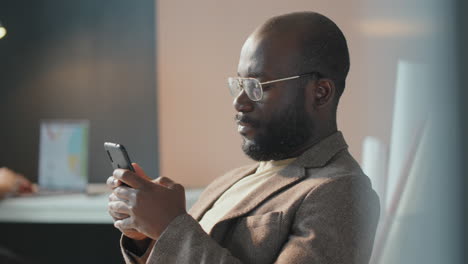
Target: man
306,201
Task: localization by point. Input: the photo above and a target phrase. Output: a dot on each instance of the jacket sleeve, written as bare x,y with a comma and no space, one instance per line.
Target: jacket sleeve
183,241
335,223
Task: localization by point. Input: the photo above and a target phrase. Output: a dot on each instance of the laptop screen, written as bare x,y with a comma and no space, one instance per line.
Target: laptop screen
63,155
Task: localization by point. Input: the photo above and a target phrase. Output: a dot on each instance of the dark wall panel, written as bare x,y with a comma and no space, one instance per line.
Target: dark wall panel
78,59
61,243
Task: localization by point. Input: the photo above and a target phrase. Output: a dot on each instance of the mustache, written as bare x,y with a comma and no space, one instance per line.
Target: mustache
247,120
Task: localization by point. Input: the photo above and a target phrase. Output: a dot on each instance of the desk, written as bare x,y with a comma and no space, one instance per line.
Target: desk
50,229
65,209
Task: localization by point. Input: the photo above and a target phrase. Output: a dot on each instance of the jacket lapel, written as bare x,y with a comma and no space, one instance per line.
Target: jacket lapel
217,188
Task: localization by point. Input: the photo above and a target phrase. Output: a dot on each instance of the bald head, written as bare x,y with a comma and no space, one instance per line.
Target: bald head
315,44
293,112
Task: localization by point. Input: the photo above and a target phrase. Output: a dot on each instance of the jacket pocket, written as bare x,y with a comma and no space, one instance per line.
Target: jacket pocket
254,221
255,239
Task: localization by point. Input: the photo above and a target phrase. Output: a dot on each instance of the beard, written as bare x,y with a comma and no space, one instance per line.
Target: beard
285,133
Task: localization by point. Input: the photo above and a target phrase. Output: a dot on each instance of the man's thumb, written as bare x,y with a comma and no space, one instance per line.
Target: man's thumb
140,172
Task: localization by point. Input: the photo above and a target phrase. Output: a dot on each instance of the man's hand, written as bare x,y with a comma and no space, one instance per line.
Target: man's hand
130,233
114,183
144,206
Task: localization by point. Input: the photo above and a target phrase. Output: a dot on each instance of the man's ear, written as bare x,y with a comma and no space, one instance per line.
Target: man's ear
324,92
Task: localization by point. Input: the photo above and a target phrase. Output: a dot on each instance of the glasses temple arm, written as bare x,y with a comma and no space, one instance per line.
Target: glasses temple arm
280,80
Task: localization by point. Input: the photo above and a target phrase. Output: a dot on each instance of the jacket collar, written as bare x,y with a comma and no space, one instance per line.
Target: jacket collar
317,156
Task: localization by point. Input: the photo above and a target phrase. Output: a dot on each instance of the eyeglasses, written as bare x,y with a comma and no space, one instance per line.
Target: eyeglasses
253,87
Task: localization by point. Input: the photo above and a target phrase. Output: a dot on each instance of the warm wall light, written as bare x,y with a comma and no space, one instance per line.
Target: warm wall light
3,31
382,27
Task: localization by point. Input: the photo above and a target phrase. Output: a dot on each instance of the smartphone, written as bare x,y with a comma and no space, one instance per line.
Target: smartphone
118,156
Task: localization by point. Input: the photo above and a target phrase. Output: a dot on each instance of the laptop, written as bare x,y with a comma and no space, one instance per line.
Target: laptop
63,156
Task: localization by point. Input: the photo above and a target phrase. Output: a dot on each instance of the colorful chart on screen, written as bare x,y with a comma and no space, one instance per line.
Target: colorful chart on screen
63,155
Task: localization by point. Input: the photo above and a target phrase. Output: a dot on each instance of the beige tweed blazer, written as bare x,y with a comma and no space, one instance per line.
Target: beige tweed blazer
319,209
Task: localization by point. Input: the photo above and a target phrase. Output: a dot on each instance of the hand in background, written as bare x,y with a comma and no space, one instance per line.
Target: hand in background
12,183
150,205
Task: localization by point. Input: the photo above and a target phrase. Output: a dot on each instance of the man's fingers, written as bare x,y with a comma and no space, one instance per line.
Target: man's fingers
134,234
130,178
113,182
119,207
118,216
124,193
114,198
164,181
125,224
178,187
140,172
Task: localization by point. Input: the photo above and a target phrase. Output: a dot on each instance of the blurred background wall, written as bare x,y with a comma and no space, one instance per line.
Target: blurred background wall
462,94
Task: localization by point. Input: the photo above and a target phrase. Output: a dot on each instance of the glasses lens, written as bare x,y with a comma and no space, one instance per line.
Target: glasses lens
234,87
253,89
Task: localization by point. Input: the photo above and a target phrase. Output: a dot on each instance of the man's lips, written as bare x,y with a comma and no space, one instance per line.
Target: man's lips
240,123
245,129
245,125
244,120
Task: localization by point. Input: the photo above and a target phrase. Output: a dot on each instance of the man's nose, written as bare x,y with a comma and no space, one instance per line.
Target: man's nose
242,103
